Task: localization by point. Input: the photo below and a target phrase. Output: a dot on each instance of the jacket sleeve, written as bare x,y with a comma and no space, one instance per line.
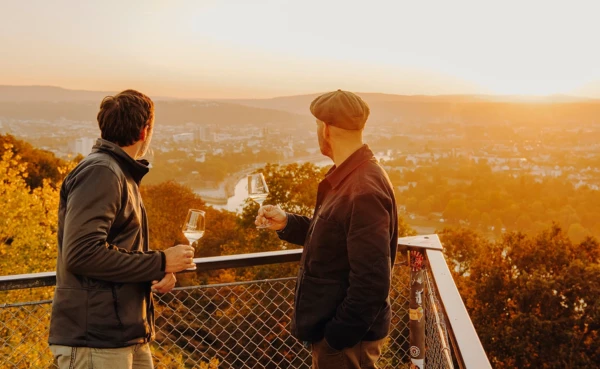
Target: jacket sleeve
296,229
368,243
92,205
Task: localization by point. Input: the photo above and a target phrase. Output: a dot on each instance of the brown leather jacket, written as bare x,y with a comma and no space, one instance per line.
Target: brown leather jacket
104,266
349,248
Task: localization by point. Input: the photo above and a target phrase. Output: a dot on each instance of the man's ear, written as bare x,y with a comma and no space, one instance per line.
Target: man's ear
326,130
144,133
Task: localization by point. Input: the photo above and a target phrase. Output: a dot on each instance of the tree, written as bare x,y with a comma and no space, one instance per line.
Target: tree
27,245
426,205
577,232
294,188
462,246
405,230
524,223
486,221
456,210
167,205
40,164
535,301
29,219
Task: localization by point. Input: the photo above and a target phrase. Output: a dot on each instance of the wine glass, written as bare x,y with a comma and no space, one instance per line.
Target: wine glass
258,191
193,228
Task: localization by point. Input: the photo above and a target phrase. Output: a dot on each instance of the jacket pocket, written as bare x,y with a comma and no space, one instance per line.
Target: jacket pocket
68,323
317,303
134,306
327,240
103,322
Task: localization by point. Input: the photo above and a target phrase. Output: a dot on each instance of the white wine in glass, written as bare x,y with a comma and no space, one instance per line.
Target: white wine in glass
193,228
258,190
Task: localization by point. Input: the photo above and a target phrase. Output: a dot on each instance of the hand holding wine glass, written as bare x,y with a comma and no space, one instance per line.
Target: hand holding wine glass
272,215
193,228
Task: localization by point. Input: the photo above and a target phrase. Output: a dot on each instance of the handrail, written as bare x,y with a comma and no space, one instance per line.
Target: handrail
33,280
472,354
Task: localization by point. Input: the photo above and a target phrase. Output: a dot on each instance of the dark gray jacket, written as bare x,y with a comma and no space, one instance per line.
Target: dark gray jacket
104,267
349,249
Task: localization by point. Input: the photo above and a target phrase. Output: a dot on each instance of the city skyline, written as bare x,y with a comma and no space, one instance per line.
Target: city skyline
266,49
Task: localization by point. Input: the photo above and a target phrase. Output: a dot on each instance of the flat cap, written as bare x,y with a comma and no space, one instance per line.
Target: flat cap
341,109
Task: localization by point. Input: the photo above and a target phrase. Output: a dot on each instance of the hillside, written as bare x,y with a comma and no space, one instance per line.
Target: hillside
54,94
51,103
470,109
167,112
47,93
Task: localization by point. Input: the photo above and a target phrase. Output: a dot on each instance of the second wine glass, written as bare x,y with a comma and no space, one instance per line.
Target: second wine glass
258,191
194,226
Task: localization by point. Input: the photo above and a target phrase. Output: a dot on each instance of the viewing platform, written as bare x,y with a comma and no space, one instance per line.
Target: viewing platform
246,324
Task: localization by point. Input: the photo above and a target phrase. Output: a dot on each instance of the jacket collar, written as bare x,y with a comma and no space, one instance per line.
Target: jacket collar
137,168
336,175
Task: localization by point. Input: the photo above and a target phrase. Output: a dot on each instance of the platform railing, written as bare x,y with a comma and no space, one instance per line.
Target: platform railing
246,324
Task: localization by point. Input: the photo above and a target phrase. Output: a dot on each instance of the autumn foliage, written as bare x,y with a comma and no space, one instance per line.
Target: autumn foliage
534,297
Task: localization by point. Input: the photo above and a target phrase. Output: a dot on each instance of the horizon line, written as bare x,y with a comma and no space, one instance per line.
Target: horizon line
514,96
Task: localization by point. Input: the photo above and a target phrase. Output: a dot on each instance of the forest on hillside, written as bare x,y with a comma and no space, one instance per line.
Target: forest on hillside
465,193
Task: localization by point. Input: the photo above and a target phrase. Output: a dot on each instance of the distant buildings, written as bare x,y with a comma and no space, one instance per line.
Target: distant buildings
83,145
288,152
203,134
201,157
183,137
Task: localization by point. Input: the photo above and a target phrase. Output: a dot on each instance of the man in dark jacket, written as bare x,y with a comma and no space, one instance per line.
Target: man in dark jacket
342,307
103,313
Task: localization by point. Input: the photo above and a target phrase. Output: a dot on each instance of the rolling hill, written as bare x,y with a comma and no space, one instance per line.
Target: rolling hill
51,103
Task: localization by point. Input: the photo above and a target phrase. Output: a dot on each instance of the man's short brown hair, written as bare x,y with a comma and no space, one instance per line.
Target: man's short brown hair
123,117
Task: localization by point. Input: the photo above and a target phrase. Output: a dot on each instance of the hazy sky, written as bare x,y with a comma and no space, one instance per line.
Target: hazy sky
265,48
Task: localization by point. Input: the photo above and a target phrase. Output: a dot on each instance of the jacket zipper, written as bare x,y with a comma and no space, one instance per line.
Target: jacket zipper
114,293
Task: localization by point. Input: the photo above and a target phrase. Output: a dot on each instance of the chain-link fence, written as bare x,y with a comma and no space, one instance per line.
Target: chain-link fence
439,353
235,325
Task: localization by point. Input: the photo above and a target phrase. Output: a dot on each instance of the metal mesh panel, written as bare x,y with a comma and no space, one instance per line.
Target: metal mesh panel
236,325
242,325
24,335
438,353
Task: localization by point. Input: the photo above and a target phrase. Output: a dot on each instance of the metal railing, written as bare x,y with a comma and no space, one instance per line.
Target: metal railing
245,324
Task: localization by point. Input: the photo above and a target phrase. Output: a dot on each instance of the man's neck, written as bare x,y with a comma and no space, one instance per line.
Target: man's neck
343,152
132,150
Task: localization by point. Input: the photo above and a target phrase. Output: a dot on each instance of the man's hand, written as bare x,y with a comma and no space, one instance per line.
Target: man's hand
164,285
179,258
273,216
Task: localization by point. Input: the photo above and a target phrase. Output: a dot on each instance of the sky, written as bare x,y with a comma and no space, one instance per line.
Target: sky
268,48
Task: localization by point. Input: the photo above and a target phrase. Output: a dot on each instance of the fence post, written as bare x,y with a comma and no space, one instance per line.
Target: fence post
416,310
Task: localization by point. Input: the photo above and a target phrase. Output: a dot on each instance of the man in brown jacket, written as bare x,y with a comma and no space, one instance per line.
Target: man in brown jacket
103,312
342,307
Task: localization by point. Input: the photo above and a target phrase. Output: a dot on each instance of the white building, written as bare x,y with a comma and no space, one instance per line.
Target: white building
83,145
288,152
204,133
201,157
252,143
183,137
219,137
